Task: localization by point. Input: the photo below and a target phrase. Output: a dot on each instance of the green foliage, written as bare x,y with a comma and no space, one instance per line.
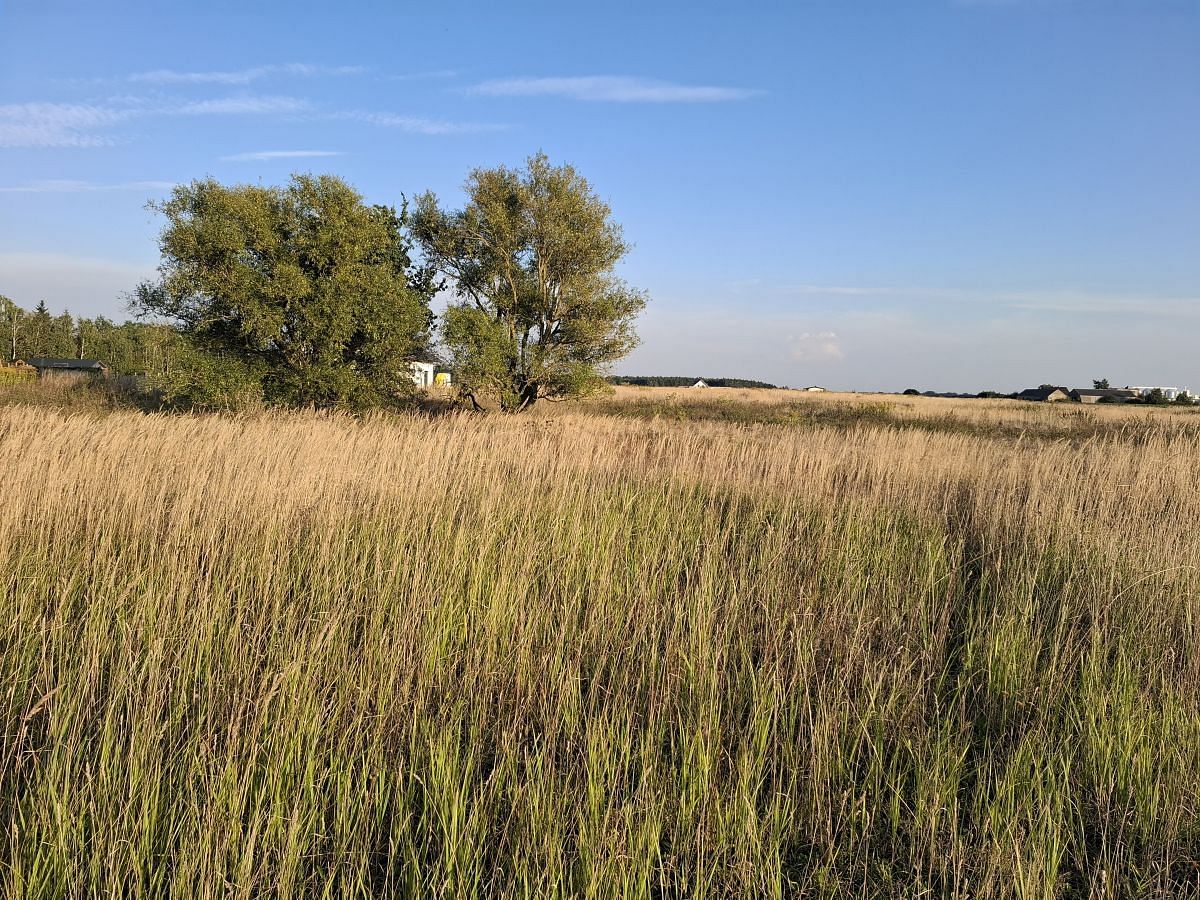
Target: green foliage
41,334
201,380
10,375
304,289
1100,384
11,317
34,334
128,348
531,257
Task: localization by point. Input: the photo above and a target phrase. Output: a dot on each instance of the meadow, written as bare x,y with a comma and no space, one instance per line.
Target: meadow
662,644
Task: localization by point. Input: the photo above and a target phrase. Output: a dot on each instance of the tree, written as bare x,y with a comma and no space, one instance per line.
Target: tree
37,332
1100,384
130,348
531,257
11,316
1155,397
303,291
46,335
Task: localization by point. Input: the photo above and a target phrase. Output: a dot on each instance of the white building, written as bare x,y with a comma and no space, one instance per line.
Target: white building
422,373
700,384
1169,393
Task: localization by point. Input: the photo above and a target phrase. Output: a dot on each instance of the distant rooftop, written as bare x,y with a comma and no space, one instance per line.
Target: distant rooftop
66,365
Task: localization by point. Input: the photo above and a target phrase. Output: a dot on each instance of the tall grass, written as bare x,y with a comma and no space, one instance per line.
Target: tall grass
600,656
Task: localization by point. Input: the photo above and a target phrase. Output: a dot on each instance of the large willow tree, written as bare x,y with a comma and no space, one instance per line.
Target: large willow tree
531,256
304,290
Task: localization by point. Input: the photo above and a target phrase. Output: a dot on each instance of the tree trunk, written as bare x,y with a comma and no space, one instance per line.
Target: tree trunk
526,396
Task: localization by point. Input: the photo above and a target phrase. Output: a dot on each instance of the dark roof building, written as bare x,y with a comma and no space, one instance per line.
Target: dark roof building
46,365
1045,394
1107,395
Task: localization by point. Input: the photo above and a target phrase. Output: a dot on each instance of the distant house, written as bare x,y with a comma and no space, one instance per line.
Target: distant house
1045,394
815,389
47,366
700,384
422,373
1107,395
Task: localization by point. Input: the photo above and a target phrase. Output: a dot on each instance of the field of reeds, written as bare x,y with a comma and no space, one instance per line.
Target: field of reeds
661,645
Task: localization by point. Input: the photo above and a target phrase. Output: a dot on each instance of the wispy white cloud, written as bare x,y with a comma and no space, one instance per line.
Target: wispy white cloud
238,106
45,125
841,290
1081,303
266,155
417,124
1000,3
241,76
88,125
69,186
609,88
57,124
422,76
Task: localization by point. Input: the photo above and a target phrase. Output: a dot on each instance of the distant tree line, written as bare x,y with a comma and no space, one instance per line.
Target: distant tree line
683,381
1154,397
127,348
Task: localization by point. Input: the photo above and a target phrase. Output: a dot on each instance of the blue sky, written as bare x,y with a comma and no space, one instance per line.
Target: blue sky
948,194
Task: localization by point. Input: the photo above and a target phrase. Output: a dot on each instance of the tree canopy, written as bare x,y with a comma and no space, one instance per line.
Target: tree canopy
303,291
531,256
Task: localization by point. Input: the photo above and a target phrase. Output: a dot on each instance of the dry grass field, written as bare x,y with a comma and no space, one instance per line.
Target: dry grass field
666,644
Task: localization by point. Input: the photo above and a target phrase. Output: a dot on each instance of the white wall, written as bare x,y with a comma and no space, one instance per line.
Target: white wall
422,373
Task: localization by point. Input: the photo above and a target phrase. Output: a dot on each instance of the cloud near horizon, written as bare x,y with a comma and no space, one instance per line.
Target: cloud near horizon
1066,301
609,88
821,345
891,338
84,285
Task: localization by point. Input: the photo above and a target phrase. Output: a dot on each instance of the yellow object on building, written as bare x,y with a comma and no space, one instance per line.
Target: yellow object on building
442,378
